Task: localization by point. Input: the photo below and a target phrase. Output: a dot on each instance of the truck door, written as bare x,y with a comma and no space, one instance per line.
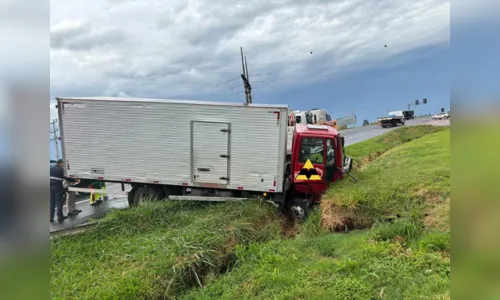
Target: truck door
210,152
331,161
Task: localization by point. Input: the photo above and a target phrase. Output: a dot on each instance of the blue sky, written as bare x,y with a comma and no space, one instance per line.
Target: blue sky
475,59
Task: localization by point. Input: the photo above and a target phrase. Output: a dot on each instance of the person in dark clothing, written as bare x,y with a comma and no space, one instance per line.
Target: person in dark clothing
57,190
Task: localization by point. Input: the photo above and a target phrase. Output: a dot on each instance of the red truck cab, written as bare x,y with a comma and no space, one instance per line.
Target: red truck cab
317,160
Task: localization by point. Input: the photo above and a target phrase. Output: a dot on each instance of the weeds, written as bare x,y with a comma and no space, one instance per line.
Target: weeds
330,266
156,250
401,230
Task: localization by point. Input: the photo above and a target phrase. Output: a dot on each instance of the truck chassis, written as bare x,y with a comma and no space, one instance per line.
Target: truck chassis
391,121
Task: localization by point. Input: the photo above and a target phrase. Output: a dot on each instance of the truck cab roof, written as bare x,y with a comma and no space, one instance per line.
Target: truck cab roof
315,129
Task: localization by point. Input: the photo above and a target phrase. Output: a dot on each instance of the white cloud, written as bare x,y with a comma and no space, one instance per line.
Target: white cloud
169,48
53,110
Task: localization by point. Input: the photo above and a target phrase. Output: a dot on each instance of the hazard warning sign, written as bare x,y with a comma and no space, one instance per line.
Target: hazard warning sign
308,172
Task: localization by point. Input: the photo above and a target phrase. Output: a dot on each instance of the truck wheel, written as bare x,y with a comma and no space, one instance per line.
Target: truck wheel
297,208
139,194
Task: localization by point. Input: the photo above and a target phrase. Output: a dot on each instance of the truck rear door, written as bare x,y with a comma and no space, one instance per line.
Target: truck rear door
210,152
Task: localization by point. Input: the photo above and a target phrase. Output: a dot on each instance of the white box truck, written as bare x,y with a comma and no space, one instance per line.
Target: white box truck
193,150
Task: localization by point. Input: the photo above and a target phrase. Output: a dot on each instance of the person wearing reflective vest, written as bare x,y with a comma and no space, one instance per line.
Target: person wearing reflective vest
95,197
57,190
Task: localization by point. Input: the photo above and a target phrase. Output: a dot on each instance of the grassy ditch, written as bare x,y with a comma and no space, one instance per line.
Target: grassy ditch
368,150
402,182
157,250
332,266
238,250
406,257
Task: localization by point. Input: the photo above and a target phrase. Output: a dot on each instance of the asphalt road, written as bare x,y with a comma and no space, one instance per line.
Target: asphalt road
117,200
359,134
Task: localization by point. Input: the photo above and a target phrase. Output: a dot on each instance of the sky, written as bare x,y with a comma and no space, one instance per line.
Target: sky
366,57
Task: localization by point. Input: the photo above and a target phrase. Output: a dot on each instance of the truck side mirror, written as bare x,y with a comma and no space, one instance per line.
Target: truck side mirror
342,141
347,164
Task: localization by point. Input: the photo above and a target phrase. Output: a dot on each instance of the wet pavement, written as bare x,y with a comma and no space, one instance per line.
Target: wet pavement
117,200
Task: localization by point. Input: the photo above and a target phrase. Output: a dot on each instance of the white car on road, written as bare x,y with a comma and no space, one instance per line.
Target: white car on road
441,116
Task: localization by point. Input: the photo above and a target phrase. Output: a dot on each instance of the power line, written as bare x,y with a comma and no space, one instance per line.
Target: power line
236,86
227,81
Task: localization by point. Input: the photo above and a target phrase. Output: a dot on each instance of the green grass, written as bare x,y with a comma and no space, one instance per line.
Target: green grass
401,182
237,250
404,258
365,151
333,266
157,250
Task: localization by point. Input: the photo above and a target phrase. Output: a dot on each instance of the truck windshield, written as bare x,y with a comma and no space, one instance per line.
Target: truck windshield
312,149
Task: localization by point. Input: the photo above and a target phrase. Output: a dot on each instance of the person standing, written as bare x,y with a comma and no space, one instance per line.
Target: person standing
57,190
70,200
95,197
104,195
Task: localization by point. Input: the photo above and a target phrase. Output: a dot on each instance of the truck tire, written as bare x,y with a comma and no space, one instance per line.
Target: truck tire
297,208
139,193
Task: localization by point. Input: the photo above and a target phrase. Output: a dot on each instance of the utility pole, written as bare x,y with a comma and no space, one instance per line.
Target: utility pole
248,81
244,76
55,138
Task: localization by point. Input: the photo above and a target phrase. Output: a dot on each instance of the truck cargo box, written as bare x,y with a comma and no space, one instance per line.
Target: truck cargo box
171,142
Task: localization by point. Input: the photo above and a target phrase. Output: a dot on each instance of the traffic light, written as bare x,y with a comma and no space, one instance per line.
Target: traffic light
425,100
416,102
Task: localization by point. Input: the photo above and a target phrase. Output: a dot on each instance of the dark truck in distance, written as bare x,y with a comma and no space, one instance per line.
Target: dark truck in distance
409,114
395,118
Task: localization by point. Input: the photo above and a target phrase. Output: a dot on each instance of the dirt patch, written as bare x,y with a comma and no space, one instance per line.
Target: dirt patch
438,216
368,159
422,192
289,228
231,243
336,218
430,197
